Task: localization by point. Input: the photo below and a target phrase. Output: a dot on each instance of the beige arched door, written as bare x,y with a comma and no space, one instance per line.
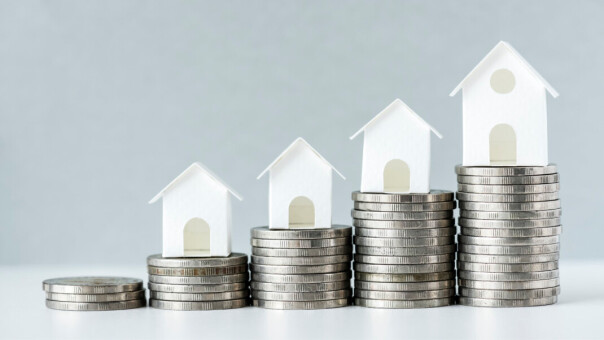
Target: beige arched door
196,237
397,177
301,213
502,145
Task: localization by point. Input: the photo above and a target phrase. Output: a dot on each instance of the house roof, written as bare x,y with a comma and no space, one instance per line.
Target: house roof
509,48
196,165
299,140
397,103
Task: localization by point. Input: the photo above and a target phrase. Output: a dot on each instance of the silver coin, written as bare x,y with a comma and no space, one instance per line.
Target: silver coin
508,250
509,224
336,231
205,288
508,258
322,304
526,276
509,294
240,294
316,243
403,242
199,280
95,306
527,206
300,287
92,285
234,259
402,278
301,278
404,286
508,241
111,297
432,196
404,304
474,302
198,305
405,233
509,215
370,259
324,268
509,285
404,269
418,224
302,252
507,267
408,251
310,296
202,271
413,295
508,180
405,207
508,189
507,198
300,261
390,216
505,170
528,232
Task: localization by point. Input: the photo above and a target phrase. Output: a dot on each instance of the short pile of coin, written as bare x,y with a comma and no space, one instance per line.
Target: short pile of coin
94,293
404,249
509,243
301,269
198,283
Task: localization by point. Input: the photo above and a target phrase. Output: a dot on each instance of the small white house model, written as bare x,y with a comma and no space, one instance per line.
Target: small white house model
504,111
196,214
300,188
396,151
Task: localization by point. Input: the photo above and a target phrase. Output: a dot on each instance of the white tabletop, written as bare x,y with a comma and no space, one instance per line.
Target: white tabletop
578,314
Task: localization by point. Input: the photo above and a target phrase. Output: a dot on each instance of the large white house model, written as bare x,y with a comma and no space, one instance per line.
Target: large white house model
504,111
396,151
196,214
300,188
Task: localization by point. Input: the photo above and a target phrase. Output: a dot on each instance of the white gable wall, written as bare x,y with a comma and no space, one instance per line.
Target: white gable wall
196,195
524,108
396,135
300,173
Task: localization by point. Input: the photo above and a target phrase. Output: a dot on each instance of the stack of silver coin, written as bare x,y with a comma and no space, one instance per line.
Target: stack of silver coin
94,293
404,249
301,269
198,283
509,243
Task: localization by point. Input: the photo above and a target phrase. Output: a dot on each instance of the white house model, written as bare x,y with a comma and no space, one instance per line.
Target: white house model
196,214
504,111
396,151
299,188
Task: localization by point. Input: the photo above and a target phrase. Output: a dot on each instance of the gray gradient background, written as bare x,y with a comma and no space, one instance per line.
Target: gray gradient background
102,103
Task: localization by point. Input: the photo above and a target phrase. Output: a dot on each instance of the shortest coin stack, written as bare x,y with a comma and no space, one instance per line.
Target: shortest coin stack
405,249
198,283
94,293
301,269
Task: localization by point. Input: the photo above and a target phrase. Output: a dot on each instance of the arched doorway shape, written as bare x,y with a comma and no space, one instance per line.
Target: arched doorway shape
502,145
301,213
397,177
196,238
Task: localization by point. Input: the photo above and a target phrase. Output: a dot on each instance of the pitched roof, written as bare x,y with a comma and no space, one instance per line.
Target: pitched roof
397,103
196,165
509,48
299,140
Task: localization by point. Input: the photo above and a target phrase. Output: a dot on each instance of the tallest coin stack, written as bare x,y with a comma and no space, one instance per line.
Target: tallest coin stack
509,243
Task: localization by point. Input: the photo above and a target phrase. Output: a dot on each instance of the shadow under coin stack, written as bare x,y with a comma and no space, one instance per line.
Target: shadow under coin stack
404,249
198,283
94,293
301,268
509,243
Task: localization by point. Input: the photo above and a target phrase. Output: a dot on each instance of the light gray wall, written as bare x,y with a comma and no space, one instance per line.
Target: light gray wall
102,103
